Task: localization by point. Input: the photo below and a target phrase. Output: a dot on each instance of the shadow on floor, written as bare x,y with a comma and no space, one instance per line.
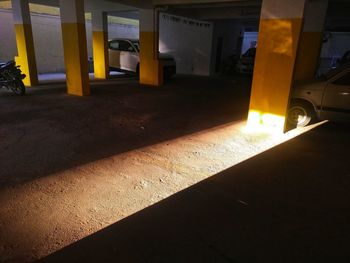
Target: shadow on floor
290,204
48,131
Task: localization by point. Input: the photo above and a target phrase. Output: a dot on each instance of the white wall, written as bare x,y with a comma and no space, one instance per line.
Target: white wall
231,32
8,47
188,41
48,44
123,31
191,50
48,39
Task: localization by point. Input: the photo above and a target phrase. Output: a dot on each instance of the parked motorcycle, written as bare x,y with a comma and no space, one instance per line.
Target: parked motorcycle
11,78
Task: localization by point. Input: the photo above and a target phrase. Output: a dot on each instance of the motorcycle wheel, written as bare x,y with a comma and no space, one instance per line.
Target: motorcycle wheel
18,87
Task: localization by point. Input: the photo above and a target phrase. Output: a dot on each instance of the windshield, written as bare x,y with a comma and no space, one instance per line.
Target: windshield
335,71
136,44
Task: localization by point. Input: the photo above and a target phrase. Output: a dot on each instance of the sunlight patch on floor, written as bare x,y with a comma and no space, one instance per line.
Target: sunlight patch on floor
70,205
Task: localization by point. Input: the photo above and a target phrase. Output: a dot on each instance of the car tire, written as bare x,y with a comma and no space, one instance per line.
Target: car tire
18,87
300,114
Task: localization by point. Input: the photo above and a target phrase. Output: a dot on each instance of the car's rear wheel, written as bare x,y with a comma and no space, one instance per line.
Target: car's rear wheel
300,114
18,87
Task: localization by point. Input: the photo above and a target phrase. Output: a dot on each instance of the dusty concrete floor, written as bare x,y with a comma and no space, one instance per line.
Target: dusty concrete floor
73,166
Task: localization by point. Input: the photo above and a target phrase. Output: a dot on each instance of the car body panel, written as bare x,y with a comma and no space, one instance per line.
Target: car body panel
312,92
114,58
330,98
124,60
336,100
129,61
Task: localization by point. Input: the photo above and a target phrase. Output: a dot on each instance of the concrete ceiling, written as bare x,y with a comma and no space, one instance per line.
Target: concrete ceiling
131,14
338,18
103,5
135,3
248,9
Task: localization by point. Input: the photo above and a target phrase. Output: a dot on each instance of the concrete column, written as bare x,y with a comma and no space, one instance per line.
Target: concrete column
311,39
279,33
74,46
100,44
24,38
151,70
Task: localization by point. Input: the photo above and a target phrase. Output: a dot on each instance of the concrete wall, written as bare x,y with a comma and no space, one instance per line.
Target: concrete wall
231,31
8,48
191,50
188,41
48,39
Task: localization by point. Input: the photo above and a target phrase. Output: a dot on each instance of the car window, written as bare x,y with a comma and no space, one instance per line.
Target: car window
125,46
136,45
114,45
344,80
121,45
336,71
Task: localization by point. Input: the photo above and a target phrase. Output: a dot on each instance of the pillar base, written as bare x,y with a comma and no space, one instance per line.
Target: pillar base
261,121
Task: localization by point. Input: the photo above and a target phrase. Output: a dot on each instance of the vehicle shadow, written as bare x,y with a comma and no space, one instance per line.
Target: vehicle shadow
295,209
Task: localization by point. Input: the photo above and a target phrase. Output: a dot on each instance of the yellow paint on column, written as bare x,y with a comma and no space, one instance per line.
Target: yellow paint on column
26,54
75,57
100,51
273,72
308,55
151,70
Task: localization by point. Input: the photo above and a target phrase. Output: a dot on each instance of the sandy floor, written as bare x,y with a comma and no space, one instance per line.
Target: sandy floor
73,166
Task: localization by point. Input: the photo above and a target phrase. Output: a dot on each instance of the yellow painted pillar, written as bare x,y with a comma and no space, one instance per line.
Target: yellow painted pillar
74,46
151,70
25,44
281,23
100,44
311,39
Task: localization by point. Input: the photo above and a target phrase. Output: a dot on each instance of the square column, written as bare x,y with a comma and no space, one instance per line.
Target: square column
151,69
100,44
311,39
281,24
24,39
74,46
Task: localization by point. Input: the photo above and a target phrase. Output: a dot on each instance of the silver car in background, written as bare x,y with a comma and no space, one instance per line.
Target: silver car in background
325,99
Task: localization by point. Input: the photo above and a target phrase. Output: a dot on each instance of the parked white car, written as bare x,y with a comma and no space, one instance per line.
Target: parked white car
124,55
326,99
